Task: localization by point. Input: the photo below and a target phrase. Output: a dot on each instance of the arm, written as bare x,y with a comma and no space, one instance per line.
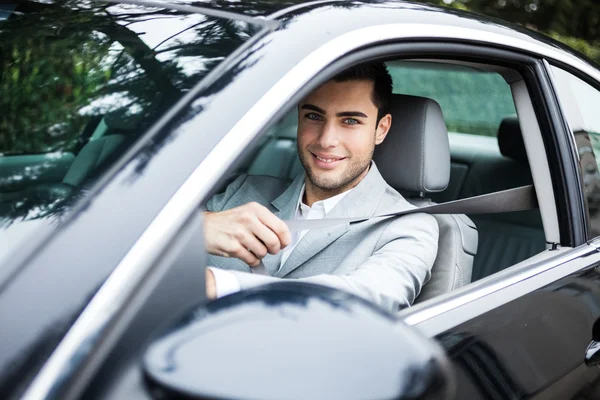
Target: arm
393,275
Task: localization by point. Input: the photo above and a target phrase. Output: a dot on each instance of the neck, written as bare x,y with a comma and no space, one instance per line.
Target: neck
314,193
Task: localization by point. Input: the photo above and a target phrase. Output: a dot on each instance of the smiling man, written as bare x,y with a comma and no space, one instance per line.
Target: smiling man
384,260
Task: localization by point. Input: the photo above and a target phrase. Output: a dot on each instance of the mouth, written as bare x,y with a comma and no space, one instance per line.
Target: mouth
327,161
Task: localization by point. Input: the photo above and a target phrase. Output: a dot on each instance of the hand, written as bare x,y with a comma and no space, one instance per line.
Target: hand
247,232
211,285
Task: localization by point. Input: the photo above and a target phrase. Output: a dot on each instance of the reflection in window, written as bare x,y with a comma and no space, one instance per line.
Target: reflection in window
579,102
81,81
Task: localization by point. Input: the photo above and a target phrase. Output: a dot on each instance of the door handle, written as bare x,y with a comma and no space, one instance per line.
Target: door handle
592,353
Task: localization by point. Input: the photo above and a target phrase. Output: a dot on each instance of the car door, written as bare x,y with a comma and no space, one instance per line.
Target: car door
531,333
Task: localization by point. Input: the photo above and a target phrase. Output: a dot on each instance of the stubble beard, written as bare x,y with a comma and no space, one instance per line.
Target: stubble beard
335,185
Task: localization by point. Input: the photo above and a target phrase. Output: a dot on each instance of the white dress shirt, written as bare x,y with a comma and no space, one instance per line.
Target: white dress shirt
226,282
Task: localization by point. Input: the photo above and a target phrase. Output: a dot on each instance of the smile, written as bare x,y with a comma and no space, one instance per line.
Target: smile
328,160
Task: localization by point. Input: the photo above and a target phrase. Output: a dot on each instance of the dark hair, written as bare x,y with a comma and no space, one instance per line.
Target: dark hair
377,73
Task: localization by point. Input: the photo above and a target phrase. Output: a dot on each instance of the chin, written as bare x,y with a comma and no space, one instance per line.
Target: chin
326,182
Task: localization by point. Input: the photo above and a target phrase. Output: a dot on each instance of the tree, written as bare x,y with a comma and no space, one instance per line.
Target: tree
575,23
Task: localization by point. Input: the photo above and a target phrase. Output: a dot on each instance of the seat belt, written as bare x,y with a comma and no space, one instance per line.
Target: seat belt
516,199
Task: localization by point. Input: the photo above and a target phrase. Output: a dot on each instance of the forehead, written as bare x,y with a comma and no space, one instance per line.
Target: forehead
354,95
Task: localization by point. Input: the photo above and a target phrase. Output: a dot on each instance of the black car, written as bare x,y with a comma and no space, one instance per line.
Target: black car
118,120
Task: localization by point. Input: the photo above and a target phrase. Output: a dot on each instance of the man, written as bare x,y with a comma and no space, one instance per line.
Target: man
384,260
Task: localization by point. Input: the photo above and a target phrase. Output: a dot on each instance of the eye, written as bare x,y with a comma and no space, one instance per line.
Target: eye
351,121
313,116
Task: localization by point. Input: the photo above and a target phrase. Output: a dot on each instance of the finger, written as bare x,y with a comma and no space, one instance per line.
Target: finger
255,246
276,225
268,238
244,255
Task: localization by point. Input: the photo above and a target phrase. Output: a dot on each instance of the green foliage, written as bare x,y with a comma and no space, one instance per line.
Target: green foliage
472,102
62,64
45,84
590,50
575,23
71,70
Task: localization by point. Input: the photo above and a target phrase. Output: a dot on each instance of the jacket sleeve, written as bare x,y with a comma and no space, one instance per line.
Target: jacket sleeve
393,275
219,201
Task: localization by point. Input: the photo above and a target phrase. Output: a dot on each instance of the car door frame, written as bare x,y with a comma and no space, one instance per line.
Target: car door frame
77,350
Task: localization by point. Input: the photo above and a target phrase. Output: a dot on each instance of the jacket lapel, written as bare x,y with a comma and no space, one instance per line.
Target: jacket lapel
285,206
361,202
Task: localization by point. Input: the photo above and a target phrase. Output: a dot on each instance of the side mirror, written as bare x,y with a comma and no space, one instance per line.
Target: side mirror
291,340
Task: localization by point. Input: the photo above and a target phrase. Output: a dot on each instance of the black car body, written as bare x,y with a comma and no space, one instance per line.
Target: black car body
82,296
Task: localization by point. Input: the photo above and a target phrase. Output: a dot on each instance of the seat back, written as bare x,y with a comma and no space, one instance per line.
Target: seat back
415,159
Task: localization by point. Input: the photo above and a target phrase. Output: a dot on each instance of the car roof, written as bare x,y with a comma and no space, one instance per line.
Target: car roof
285,10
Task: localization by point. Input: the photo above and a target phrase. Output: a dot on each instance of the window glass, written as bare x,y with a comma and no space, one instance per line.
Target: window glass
473,101
579,102
81,81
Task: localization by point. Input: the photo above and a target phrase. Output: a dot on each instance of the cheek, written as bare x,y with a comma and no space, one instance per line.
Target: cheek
360,144
306,134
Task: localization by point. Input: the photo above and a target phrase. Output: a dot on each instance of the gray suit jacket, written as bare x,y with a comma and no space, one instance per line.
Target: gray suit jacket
384,260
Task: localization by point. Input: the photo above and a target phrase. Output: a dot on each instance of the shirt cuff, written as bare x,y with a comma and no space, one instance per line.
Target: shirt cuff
225,282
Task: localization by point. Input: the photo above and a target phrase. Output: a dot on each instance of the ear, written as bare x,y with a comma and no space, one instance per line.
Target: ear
383,127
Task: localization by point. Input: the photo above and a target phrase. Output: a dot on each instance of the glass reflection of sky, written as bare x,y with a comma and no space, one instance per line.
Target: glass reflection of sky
163,33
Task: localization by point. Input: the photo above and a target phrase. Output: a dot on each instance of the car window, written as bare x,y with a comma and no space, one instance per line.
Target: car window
579,101
473,101
477,106
80,82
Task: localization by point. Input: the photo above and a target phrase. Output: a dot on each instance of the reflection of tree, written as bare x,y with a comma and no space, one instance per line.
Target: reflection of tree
56,59
247,7
66,66
591,177
55,63
160,139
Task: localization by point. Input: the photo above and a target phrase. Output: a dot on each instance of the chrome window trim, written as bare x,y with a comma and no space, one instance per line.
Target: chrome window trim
72,352
469,311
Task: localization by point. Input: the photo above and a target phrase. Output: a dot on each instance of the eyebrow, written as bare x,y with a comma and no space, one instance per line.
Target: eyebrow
340,114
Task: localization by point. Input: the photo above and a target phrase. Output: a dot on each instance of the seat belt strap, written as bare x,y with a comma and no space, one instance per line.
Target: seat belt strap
516,199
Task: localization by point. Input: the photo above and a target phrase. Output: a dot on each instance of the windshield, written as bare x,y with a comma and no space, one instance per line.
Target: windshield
80,82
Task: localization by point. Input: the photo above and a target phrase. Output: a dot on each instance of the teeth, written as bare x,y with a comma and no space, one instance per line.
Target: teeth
327,160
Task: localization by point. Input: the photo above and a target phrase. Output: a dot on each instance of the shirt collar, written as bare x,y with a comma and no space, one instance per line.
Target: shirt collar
327,204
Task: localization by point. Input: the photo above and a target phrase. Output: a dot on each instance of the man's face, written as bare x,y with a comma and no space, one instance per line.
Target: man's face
337,133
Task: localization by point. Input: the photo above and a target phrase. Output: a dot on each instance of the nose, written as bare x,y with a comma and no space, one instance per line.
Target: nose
329,136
